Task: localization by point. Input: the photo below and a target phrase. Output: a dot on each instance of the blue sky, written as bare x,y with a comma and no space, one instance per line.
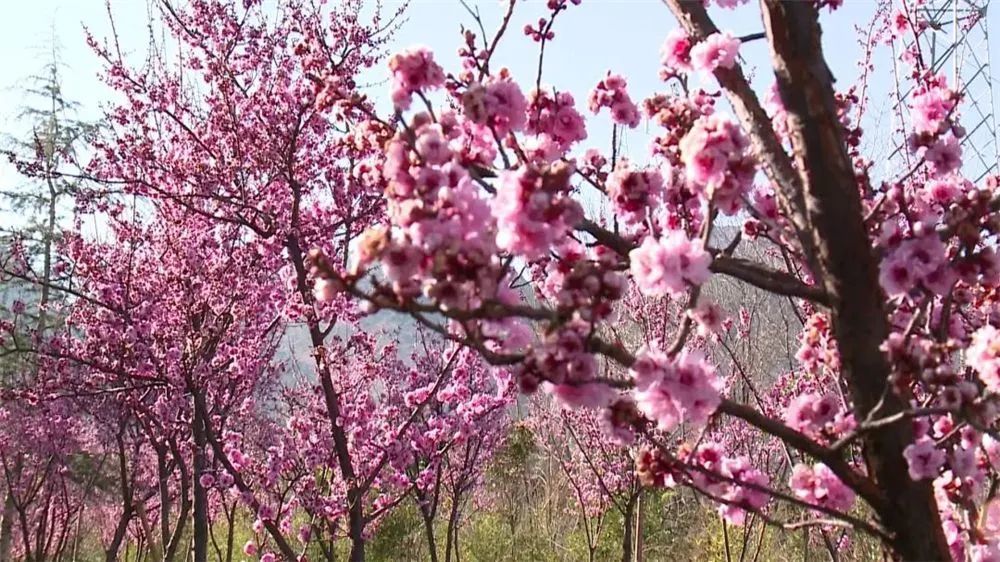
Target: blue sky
624,35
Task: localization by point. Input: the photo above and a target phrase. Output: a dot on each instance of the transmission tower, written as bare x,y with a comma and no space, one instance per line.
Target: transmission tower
956,42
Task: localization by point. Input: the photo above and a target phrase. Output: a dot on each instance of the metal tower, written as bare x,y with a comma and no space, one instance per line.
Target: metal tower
956,43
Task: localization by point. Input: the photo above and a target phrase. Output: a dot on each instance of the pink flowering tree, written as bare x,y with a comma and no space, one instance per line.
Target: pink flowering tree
41,450
600,472
407,425
169,333
463,428
483,187
274,149
241,153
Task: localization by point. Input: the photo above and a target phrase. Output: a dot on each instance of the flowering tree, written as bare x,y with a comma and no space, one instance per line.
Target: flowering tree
896,277
458,433
599,471
263,164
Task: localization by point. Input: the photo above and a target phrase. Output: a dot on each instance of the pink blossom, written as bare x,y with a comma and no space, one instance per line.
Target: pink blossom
741,498
499,104
611,93
676,51
741,487
943,192
432,145
914,261
671,389
562,358
250,548
555,119
924,459
983,355
413,70
718,50
944,156
670,265
930,106
401,262
989,552
586,395
533,210
633,192
818,485
717,161
809,412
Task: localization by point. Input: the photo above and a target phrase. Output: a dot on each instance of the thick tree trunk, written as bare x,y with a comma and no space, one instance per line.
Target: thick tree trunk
7,517
113,548
7,528
628,520
200,537
821,197
849,272
429,534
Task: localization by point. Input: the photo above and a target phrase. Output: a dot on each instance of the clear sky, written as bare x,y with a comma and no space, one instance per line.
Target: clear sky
624,35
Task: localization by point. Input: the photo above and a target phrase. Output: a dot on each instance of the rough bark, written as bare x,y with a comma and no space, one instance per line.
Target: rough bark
628,521
429,534
818,190
849,271
112,551
200,537
7,527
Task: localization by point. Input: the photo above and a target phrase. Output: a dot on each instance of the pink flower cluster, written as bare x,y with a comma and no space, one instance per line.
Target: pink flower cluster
717,161
809,412
413,70
669,390
564,367
734,471
983,355
931,106
441,240
555,120
676,52
710,318
730,4
989,552
935,197
936,132
498,104
924,458
917,261
944,155
583,285
611,93
533,209
818,485
817,346
669,265
718,50
633,192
